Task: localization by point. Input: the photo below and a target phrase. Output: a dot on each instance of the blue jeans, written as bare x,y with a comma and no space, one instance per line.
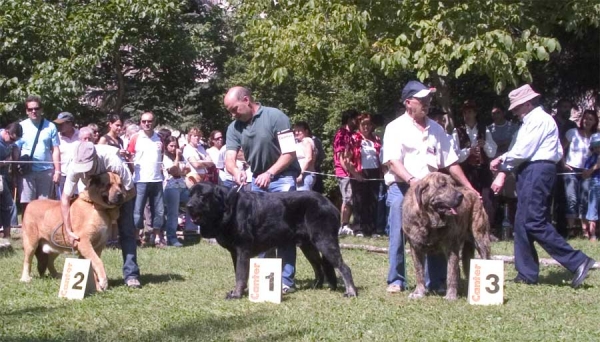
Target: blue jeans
435,265
127,239
7,206
593,200
154,193
308,180
287,252
173,198
576,191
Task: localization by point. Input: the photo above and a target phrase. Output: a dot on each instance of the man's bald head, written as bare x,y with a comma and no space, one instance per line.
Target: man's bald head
239,103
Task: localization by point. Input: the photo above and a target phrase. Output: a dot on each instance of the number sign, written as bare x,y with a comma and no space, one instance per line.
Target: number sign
77,279
486,282
264,284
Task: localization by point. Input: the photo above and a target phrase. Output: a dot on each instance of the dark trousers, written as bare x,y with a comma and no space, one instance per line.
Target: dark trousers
364,201
533,224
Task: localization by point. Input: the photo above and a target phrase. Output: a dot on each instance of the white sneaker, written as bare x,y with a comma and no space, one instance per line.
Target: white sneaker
4,243
345,230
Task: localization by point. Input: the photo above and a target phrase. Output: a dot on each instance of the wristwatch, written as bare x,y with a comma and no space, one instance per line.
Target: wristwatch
271,176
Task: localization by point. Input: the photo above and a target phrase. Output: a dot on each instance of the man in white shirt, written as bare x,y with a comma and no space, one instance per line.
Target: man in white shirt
533,157
91,160
68,136
413,147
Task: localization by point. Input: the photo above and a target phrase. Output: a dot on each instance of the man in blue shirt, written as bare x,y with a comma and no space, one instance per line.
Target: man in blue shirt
533,157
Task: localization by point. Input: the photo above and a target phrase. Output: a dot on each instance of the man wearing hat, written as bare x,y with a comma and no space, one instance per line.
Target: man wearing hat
413,147
68,137
89,159
533,157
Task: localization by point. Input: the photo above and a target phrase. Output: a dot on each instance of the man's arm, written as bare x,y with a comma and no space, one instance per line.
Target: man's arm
397,167
239,176
56,162
65,209
281,164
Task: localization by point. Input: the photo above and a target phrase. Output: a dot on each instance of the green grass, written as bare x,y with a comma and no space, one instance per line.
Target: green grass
183,300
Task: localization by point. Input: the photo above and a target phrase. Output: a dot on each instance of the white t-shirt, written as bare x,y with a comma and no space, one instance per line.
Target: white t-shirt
300,151
579,148
171,182
67,150
368,155
216,157
147,157
199,152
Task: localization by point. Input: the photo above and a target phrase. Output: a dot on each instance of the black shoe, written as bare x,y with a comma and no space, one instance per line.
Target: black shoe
519,280
582,272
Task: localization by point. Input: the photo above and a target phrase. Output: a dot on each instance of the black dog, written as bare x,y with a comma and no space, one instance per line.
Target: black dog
248,223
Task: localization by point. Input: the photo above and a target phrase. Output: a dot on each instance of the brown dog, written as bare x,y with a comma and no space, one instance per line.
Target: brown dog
437,215
91,215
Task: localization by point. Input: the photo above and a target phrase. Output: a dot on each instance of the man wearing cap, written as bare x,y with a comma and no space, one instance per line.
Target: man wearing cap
68,136
46,172
533,157
413,147
89,160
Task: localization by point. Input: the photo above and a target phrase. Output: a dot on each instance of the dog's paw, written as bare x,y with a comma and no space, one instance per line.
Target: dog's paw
416,295
56,275
25,279
232,295
351,294
102,285
450,296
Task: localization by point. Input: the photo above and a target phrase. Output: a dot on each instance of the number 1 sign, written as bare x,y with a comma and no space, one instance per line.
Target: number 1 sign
486,282
264,284
77,279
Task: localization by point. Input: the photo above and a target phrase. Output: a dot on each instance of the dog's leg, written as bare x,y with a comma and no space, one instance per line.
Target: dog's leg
42,259
29,248
418,260
242,270
87,251
453,271
331,251
313,256
468,253
53,273
330,275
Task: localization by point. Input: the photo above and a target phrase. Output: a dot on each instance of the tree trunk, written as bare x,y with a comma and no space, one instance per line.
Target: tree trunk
443,96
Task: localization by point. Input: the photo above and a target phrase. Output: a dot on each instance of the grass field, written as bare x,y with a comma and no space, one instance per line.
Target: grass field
182,300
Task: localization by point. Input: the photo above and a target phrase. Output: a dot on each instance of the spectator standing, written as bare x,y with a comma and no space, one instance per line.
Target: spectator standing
365,149
319,158
113,136
146,149
533,156
8,152
343,168
216,151
196,156
592,174
257,131
93,160
414,146
69,138
577,150
96,132
46,172
305,153
175,190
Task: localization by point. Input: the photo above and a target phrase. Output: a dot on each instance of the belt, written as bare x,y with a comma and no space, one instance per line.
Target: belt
526,164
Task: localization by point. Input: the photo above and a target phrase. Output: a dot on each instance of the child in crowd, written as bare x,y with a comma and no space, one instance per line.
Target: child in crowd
592,170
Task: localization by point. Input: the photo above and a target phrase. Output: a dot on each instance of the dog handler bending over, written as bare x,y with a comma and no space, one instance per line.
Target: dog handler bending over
533,157
413,147
257,131
88,160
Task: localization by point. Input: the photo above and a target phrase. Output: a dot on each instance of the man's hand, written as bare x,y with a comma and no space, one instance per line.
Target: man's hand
241,178
56,177
73,238
495,164
263,180
498,183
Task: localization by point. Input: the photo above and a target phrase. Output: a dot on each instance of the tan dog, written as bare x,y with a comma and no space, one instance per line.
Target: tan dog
91,215
438,216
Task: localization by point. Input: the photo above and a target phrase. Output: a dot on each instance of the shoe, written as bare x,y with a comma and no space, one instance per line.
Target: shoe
287,289
519,280
582,272
4,243
345,230
175,243
394,288
359,235
133,283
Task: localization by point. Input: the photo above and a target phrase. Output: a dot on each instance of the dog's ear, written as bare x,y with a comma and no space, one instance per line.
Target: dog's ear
419,189
229,200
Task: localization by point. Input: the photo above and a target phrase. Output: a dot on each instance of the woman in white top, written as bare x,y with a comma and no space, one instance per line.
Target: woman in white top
216,151
577,150
196,156
305,152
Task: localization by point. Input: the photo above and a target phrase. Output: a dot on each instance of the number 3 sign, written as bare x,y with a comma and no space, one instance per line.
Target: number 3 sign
486,282
77,279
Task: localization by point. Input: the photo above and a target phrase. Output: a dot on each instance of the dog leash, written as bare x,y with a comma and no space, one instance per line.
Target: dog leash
53,240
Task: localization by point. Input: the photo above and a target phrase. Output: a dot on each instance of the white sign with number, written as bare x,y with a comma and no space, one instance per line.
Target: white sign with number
486,282
77,279
264,283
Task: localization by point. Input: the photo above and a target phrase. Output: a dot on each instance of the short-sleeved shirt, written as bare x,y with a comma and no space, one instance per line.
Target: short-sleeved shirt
171,182
108,161
258,139
579,148
199,152
66,149
147,159
589,163
421,152
5,153
342,142
46,142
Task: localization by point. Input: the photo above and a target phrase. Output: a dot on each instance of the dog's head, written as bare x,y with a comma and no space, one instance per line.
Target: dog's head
209,206
107,190
438,192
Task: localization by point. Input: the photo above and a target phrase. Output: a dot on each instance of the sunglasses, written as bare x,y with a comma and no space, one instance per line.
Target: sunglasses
33,109
146,121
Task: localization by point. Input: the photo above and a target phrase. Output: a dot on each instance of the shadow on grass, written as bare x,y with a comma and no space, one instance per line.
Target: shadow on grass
558,277
6,252
31,311
146,279
307,284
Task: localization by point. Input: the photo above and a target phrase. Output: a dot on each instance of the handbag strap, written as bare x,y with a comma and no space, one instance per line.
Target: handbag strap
37,136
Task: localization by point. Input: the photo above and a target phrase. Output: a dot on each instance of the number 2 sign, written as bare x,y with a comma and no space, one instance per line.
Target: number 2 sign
77,279
486,282
264,284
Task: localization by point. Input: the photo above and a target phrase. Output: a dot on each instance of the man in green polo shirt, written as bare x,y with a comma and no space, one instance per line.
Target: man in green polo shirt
263,135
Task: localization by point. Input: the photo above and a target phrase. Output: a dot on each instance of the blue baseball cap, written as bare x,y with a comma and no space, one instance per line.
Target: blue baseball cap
415,89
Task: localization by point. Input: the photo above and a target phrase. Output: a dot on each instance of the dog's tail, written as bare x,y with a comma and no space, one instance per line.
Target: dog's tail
480,228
